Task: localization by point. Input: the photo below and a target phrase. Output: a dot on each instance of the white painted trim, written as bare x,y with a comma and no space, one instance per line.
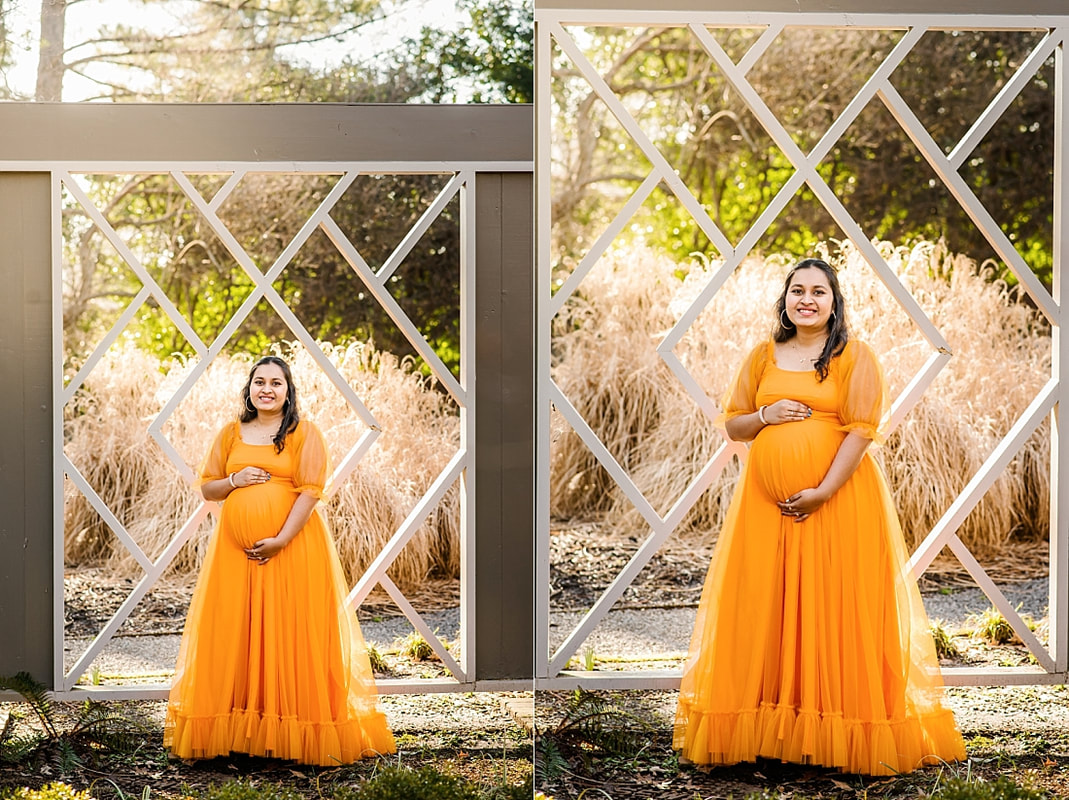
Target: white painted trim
543,341
468,564
253,167
1059,461
756,19
59,539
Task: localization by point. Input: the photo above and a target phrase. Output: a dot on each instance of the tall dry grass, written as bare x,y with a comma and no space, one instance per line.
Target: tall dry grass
605,362
105,437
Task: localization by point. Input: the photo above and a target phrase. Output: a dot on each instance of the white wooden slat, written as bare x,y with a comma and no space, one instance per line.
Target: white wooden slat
998,599
421,625
660,163
226,190
604,241
394,310
760,47
422,225
372,575
642,556
112,167
985,476
734,18
468,188
968,200
820,188
1059,459
105,344
106,514
1001,101
148,580
915,389
134,263
602,454
351,459
543,341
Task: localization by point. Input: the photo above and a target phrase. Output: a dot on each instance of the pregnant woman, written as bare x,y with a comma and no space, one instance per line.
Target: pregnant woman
272,662
811,644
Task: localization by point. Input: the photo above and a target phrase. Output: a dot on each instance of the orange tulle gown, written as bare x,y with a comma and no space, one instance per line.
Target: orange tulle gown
811,644
271,662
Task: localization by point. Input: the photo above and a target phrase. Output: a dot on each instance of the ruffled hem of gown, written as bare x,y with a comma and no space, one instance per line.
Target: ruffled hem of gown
322,744
822,739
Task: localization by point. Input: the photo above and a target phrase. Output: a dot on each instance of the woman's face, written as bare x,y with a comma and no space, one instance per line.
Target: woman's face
268,388
809,301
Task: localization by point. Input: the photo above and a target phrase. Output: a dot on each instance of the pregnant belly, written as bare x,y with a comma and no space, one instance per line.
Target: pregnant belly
796,455
256,512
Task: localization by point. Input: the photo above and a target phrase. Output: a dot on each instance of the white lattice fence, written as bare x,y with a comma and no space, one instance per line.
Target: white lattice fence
569,36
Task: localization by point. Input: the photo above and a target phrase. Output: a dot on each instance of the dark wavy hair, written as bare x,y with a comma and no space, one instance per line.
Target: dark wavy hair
290,415
837,332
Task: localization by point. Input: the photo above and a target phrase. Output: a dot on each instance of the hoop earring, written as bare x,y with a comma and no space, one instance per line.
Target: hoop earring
248,405
786,325
831,319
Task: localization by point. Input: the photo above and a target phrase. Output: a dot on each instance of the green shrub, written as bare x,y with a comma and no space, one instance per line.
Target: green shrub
1001,789
399,783
246,790
53,791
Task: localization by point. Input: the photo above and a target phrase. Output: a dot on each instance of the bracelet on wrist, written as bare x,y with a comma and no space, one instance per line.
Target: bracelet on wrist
230,478
761,415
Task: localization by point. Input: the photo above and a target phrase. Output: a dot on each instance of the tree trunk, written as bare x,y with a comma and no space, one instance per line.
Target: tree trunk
50,65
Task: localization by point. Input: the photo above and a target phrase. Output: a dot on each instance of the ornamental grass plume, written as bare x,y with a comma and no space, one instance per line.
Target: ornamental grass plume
105,436
605,361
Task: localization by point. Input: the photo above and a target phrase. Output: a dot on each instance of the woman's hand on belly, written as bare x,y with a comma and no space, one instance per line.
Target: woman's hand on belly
786,410
263,550
803,503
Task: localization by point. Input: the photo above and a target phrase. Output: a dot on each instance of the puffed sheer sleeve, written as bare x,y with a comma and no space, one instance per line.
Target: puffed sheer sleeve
863,393
312,460
214,465
741,396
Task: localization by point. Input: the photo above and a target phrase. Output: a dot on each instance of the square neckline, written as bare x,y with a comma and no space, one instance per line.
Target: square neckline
776,364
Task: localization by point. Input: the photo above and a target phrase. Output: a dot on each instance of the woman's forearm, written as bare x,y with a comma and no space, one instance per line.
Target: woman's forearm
298,517
216,490
846,461
744,427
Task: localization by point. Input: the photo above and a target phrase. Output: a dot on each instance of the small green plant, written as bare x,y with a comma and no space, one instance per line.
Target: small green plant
592,722
245,790
590,662
1002,788
992,627
94,731
416,647
944,644
378,661
549,762
401,783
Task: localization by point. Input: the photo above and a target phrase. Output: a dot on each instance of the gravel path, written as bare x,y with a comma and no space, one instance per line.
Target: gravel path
655,633
664,633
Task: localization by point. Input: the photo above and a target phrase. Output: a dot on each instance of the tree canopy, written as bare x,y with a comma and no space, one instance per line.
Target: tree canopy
226,51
